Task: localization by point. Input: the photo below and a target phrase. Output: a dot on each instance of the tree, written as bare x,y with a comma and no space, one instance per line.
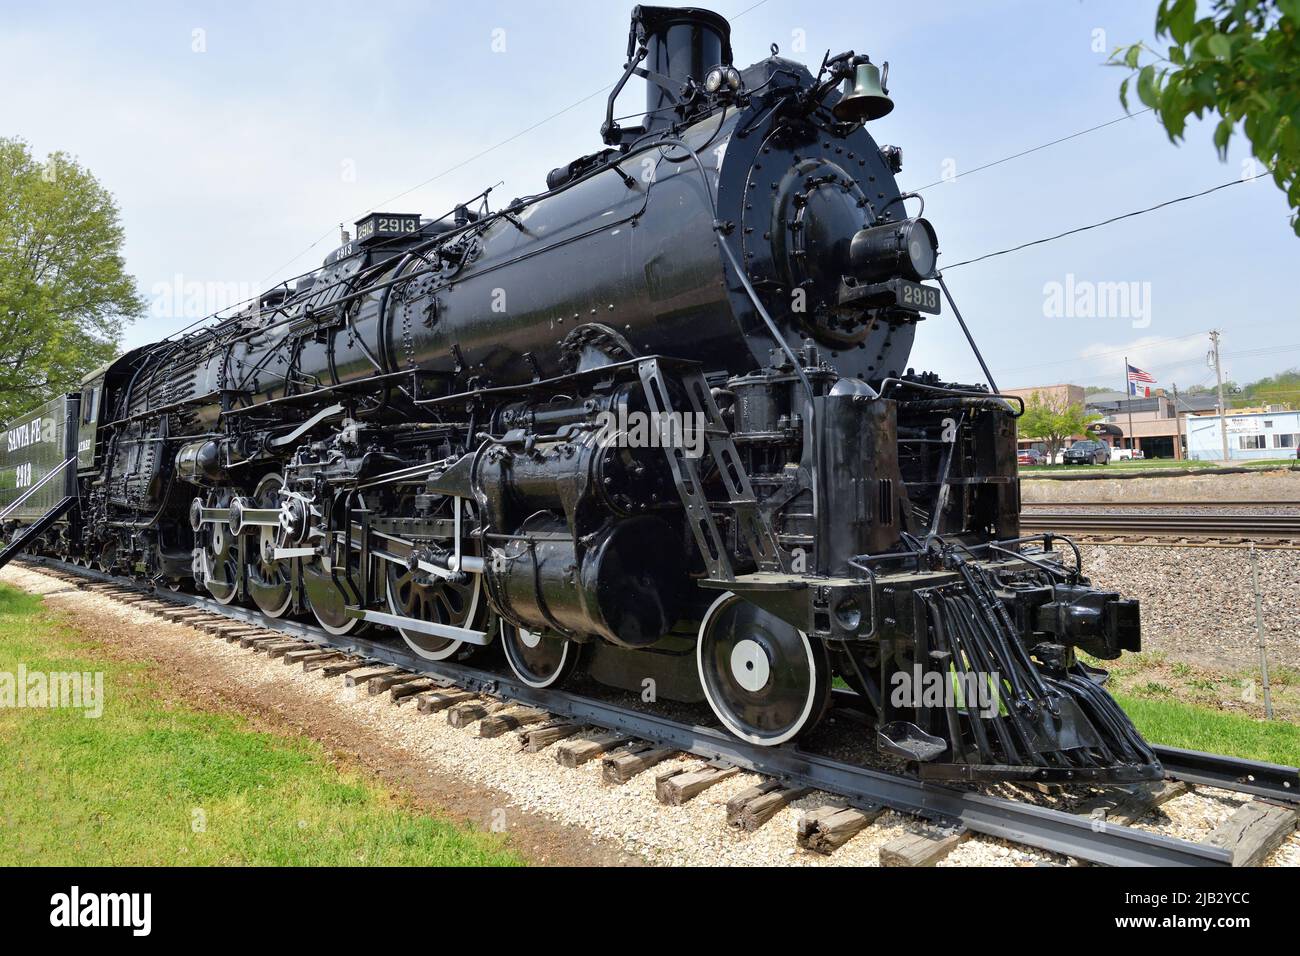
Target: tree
64,291
1053,421
1241,63
1280,389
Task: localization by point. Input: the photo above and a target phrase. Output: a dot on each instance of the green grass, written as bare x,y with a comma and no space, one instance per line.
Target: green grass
153,782
1177,724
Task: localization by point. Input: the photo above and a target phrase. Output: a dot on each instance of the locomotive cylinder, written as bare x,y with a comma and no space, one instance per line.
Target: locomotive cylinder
619,585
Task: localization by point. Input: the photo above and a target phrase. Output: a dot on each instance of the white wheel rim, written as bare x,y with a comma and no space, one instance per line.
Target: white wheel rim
721,713
265,536
453,646
519,673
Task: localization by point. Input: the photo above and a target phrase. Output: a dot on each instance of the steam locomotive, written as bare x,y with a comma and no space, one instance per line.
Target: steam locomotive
654,424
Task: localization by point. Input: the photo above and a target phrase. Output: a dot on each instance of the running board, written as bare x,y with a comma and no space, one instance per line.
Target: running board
479,638
29,533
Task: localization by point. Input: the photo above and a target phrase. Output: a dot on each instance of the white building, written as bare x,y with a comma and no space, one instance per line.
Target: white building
1251,435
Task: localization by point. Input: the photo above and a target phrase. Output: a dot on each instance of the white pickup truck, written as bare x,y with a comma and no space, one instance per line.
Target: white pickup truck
1118,454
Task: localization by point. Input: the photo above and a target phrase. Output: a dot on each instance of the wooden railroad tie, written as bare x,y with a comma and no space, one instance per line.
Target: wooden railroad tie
225,629
183,616
436,701
468,712
536,739
826,829
309,654
383,682
512,718
636,757
363,676
275,651
252,641
401,693
334,668
679,786
1254,831
587,746
236,635
754,806
316,663
922,849
273,648
1124,806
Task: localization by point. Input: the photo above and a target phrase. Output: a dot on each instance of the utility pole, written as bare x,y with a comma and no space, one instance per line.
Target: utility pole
1223,409
1128,396
1178,428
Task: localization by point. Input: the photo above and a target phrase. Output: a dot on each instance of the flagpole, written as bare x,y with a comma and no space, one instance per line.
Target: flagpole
1128,394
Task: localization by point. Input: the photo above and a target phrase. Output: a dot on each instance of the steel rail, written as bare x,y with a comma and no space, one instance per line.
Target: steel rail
1269,780
1043,827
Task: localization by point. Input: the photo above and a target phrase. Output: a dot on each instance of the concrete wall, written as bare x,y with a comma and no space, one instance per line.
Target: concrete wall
1252,486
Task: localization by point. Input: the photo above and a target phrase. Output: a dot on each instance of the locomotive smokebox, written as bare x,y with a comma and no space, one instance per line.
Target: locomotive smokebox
681,43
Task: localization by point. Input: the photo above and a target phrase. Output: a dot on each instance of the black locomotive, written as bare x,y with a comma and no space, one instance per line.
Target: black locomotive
654,423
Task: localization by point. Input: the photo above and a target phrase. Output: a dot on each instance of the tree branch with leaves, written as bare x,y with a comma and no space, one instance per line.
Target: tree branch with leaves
1053,421
1241,63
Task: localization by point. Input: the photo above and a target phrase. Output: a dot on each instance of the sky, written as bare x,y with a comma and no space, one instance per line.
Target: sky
237,136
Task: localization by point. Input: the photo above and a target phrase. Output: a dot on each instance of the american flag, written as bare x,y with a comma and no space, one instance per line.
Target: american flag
1136,375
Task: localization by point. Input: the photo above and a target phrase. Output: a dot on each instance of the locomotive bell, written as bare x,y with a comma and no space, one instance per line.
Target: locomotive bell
864,96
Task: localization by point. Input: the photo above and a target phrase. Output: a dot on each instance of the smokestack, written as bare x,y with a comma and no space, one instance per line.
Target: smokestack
681,42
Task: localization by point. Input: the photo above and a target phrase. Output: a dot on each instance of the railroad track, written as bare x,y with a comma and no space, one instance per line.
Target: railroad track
1241,503
1277,530
631,741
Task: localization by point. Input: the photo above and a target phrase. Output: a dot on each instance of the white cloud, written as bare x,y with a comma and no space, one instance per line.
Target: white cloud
1179,360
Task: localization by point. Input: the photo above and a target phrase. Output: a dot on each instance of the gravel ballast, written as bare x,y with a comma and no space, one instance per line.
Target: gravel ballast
1198,603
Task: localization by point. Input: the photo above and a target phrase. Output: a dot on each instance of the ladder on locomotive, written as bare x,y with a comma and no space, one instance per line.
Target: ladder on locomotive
753,531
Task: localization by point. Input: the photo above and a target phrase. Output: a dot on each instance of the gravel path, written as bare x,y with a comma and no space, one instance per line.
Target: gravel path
625,818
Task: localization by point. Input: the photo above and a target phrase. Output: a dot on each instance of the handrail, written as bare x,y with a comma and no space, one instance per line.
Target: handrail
36,487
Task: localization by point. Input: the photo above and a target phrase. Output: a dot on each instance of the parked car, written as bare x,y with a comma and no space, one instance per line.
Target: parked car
1088,453
1031,456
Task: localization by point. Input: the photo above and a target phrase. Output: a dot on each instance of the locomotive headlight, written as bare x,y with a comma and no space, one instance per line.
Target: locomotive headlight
908,248
720,77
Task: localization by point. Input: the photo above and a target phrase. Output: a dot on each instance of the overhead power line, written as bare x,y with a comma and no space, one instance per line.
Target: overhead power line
477,156
1104,222
1033,149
